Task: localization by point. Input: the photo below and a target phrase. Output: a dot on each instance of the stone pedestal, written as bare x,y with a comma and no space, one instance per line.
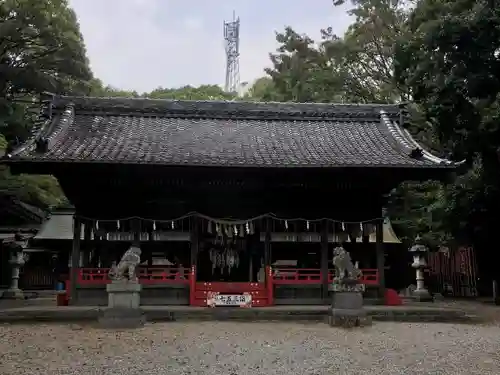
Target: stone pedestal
124,298
13,294
347,306
422,295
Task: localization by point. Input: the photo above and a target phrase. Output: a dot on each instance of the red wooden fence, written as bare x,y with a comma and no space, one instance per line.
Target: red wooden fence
454,271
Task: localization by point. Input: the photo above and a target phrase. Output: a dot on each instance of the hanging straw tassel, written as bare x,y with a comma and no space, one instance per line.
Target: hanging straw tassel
118,224
286,224
154,225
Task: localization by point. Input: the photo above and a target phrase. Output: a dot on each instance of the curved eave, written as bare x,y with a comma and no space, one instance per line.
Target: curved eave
47,129
406,140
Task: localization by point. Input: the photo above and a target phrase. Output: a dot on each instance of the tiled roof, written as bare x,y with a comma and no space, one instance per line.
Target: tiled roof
211,133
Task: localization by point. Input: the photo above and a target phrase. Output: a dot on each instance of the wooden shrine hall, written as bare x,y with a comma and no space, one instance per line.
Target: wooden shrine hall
227,198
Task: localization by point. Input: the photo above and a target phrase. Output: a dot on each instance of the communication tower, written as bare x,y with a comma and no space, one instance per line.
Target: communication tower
232,45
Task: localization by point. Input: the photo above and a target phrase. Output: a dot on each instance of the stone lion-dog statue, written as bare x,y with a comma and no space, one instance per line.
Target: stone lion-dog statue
344,268
127,267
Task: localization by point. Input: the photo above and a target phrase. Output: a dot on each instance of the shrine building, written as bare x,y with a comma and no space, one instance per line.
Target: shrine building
235,198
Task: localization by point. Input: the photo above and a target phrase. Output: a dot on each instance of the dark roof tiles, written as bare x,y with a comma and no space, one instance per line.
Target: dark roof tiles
224,134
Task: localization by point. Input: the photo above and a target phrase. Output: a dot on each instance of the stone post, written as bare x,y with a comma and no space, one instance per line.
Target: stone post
16,261
418,251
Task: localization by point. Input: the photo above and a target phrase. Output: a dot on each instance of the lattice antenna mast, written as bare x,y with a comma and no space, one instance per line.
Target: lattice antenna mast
232,44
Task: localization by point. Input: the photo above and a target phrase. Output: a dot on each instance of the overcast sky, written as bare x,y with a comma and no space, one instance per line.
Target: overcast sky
143,44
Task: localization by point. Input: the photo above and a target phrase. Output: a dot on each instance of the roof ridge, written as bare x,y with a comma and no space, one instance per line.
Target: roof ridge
212,107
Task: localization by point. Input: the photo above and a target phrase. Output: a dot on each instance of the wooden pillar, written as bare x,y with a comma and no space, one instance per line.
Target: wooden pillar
136,230
195,241
267,243
324,259
87,245
75,258
380,256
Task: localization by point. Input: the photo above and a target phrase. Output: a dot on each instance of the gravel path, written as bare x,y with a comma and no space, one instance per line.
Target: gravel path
250,348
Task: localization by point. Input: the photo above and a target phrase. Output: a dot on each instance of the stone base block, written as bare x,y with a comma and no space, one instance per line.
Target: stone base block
124,294
422,296
347,310
347,300
348,318
116,318
13,294
349,321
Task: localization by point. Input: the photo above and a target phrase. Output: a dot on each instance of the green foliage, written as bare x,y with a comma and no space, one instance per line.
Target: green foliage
204,92
41,50
451,66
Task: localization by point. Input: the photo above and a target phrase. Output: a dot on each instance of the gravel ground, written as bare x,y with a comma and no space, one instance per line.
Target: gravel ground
250,348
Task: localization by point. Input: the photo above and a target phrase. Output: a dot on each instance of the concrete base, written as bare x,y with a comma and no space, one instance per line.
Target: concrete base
124,298
124,294
422,295
428,313
121,318
13,294
347,310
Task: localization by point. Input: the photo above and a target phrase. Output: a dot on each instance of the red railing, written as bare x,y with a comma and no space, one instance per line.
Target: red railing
290,276
369,277
283,275
146,275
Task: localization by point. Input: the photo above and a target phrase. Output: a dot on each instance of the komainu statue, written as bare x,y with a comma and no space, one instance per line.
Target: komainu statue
344,268
126,268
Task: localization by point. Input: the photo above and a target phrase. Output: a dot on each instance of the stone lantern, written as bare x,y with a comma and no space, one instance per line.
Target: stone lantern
418,251
16,261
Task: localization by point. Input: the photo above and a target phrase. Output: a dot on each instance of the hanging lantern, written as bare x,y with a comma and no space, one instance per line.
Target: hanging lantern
307,224
118,224
343,227
286,224
235,230
107,236
247,228
173,224
154,225
97,225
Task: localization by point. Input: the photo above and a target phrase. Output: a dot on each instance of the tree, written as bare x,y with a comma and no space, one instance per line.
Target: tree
261,90
97,88
451,65
41,50
365,53
300,71
204,92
